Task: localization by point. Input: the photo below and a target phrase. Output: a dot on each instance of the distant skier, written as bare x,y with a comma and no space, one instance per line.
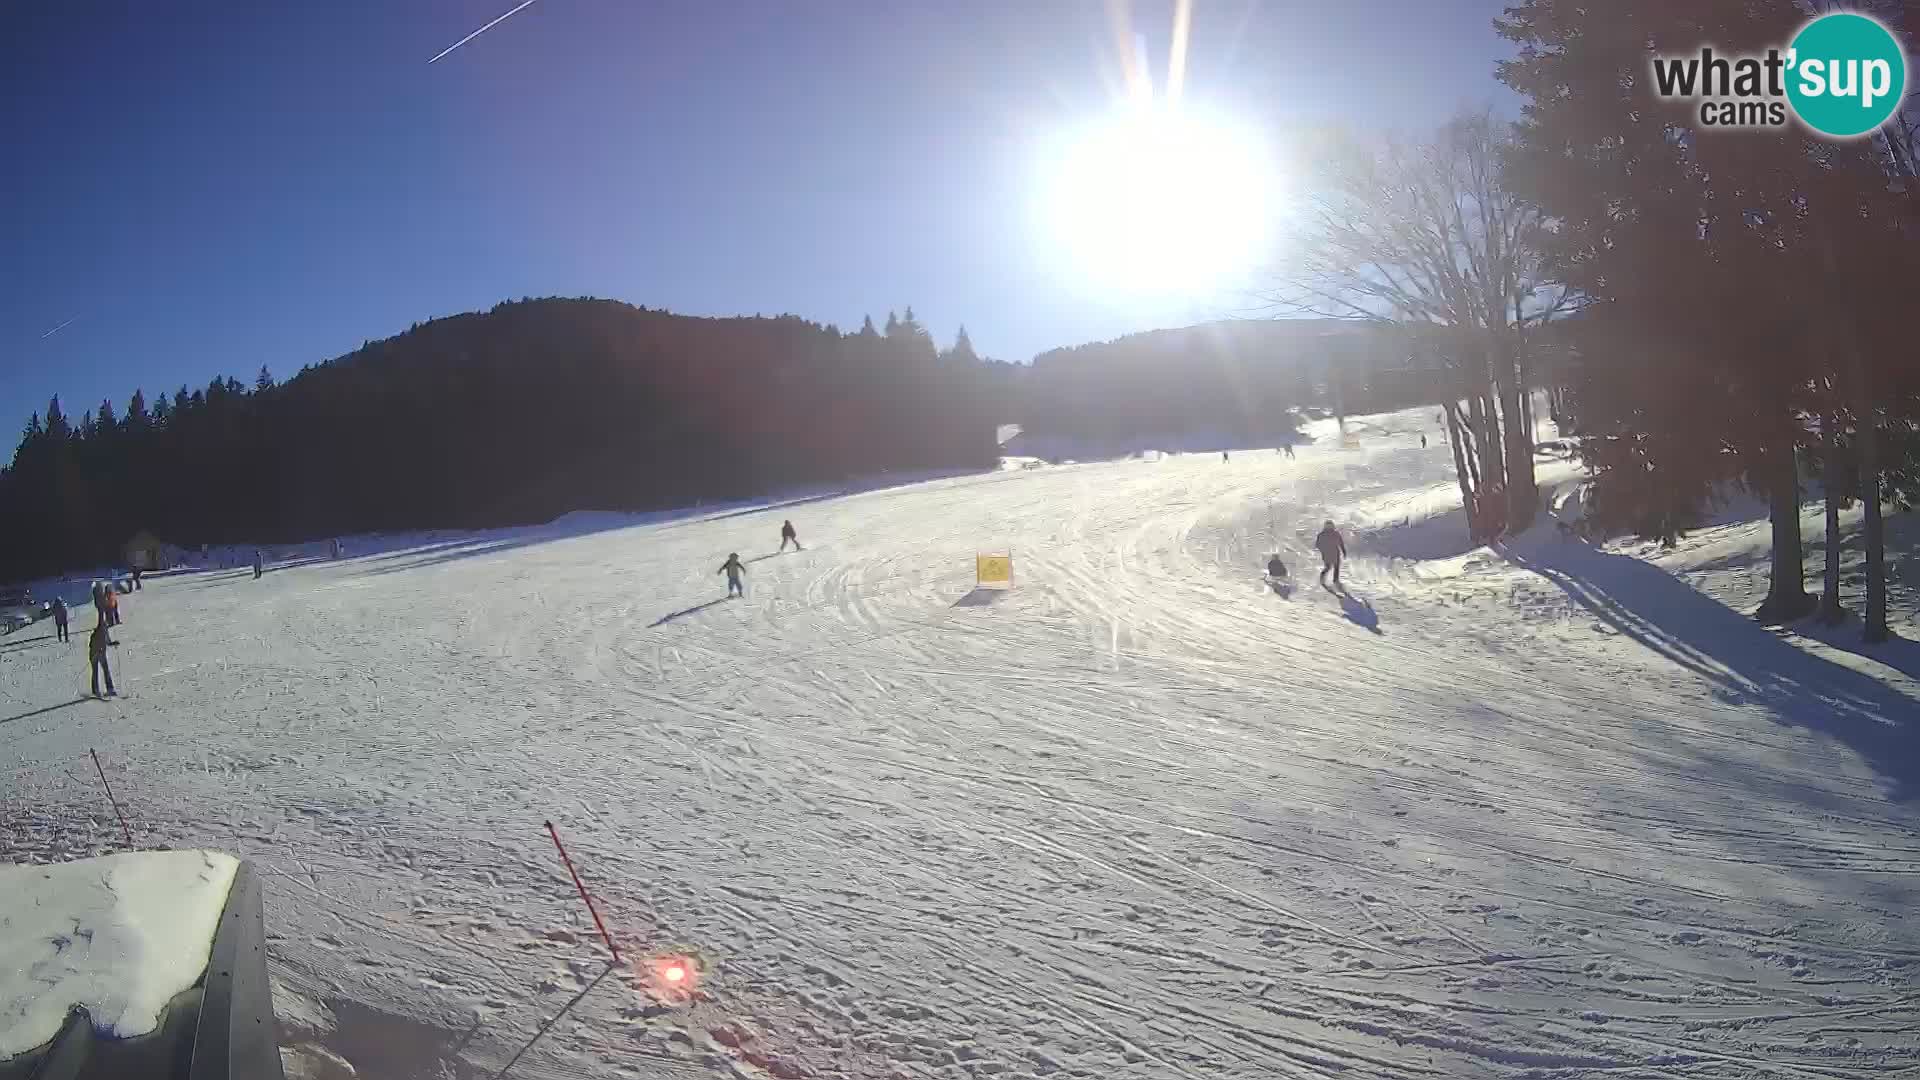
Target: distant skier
733,569
60,620
1275,568
1423,442
1290,452
789,536
1333,549
1224,457
97,658
136,579
259,563
336,547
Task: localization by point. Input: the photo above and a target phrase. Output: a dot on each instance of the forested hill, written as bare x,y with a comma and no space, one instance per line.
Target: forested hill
519,414
1235,379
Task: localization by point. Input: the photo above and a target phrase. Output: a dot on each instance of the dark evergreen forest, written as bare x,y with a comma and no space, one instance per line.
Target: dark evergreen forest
539,407
518,414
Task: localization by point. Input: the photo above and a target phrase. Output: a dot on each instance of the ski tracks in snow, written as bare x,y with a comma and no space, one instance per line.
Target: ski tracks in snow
1138,816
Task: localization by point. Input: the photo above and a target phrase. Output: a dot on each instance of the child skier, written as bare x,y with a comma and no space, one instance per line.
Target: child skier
787,534
733,569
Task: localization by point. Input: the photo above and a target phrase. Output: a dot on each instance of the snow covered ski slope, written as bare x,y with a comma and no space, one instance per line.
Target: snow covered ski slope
1520,814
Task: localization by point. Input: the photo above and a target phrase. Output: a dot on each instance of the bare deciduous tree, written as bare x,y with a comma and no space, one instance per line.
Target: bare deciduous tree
1426,235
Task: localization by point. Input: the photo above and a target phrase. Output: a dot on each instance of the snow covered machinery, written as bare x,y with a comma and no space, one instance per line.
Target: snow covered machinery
221,1027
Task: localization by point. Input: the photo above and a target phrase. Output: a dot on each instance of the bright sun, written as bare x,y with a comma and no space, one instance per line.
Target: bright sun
1160,199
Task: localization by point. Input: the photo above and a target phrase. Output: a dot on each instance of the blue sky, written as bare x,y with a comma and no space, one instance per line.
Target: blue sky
208,187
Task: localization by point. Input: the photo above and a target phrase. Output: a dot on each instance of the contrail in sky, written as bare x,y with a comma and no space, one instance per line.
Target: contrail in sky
482,30
57,329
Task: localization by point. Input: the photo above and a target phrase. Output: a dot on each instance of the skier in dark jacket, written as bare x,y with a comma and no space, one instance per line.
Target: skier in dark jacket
259,563
788,535
60,620
1333,548
733,569
97,658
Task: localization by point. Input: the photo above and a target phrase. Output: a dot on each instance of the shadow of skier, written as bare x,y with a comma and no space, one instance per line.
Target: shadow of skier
683,612
1358,611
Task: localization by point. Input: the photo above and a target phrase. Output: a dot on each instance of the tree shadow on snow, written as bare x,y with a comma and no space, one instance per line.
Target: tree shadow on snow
1442,536
503,541
1747,663
291,564
684,612
215,579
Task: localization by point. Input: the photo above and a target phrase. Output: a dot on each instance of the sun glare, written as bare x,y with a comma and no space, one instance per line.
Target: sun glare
1159,198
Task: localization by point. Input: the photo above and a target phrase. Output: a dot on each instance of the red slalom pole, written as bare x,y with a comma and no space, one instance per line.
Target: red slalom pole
124,831
588,900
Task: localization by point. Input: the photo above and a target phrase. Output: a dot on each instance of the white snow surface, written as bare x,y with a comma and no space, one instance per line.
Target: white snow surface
1543,810
118,935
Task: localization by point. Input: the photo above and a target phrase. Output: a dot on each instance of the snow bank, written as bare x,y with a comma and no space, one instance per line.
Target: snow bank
118,936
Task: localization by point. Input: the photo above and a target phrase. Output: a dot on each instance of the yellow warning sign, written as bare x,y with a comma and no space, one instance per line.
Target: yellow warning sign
993,569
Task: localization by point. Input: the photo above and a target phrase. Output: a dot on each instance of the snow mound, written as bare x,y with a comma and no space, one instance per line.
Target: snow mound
118,936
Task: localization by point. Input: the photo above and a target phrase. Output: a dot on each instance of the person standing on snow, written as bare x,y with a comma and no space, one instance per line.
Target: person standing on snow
259,563
97,658
787,534
60,620
733,569
1290,452
1333,548
101,621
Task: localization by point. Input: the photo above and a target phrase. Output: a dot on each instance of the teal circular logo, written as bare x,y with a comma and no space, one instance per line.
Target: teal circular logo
1846,74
